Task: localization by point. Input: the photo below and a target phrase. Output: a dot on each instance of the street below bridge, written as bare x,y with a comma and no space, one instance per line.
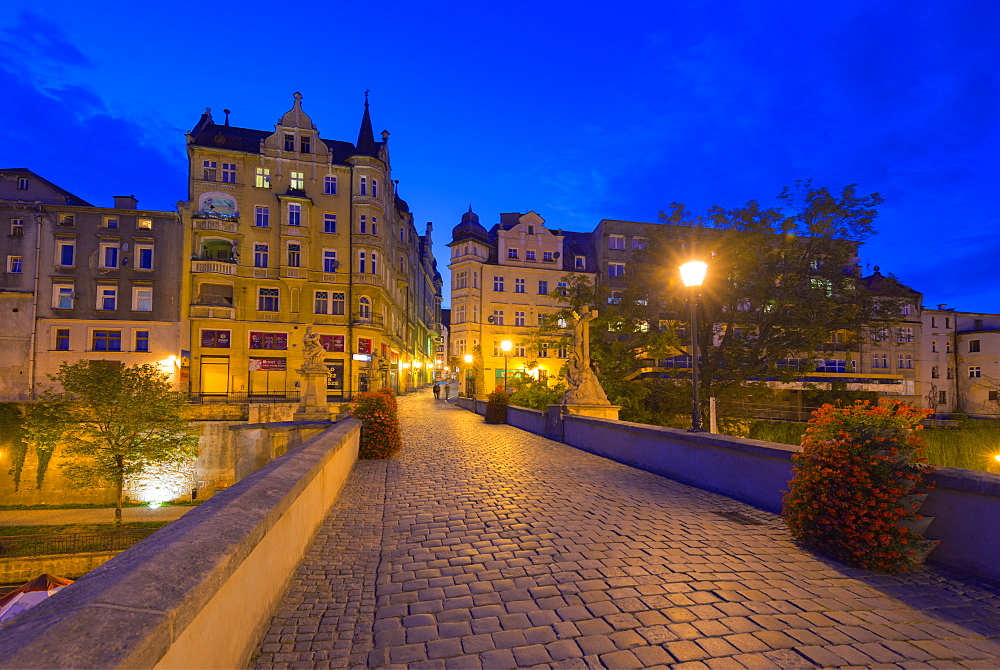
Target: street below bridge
487,546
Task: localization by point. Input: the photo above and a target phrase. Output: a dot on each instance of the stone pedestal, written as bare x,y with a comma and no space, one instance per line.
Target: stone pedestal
312,405
599,411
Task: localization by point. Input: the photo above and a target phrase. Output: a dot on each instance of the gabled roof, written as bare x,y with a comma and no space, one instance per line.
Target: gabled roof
878,282
578,244
71,200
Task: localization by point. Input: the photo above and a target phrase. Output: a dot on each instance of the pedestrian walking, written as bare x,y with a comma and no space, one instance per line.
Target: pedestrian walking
437,391
447,390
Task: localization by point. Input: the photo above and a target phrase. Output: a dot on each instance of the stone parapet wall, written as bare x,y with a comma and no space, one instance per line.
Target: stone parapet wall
201,591
71,566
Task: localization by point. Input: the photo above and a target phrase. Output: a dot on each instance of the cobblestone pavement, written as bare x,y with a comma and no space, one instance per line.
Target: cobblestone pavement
486,546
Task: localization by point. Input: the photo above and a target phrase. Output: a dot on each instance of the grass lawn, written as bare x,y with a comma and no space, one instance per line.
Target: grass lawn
77,528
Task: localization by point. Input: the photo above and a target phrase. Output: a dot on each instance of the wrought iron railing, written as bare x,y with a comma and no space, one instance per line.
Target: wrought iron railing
242,397
71,543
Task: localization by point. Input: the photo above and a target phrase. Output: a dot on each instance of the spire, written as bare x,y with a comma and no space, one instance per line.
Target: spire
366,136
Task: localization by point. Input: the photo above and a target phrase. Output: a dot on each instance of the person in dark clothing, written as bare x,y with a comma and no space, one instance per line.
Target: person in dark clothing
447,390
437,392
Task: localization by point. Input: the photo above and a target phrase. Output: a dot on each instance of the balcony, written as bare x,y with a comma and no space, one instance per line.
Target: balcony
330,319
335,278
367,240
264,273
218,267
366,200
220,225
232,218
371,321
371,280
293,273
212,312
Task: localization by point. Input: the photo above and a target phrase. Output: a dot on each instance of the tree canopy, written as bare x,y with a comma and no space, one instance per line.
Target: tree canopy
116,420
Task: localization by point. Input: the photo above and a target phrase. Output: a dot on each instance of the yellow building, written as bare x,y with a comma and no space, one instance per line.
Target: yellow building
502,281
287,230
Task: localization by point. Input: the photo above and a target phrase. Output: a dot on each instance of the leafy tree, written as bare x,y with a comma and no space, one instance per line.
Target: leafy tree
116,420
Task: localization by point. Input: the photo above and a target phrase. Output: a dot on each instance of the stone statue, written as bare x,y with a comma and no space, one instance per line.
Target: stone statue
582,386
313,351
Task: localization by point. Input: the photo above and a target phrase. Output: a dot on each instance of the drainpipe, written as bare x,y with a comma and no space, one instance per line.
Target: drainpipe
34,305
349,307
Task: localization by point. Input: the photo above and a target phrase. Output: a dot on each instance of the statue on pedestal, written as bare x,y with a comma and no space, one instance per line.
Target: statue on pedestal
582,385
312,404
313,352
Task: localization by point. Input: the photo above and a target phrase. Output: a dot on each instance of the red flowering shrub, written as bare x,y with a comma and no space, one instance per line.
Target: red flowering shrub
496,406
846,495
380,436
385,390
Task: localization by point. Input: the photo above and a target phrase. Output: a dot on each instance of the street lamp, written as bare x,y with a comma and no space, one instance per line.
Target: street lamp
468,361
693,274
505,347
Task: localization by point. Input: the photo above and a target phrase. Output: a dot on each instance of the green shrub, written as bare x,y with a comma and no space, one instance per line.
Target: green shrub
496,407
380,437
782,432
846,498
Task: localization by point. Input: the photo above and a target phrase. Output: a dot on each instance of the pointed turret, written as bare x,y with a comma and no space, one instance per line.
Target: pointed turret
366,136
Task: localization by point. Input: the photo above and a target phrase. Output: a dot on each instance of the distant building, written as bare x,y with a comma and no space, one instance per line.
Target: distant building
286,229
502,285
84,282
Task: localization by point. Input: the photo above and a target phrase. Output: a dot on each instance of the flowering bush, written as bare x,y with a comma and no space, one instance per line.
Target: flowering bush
380,436
847,497
496,406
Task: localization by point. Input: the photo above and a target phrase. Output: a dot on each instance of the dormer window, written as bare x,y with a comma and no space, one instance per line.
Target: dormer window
67,219
304,145
580,263
289,142
529,255
531,230
512,253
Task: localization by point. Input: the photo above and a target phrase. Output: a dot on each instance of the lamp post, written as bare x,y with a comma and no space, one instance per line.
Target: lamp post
505,347
693,274
468,361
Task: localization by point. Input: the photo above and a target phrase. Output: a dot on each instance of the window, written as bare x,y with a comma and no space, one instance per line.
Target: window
329,260
543,287
880,335
144,224
498,284
142,299
215,339
518,318
547,257
298,182
543,350
374,225
267,300
498,317
262,179
260,255
109,256
17,227
142,340
363,225
107,298
364,308
363,188
111,222
934,346
973,346
289,142
374,188
562,351
475,280
616,269
229,173
512,253
519,351
994,395
294,254
934,372
459,314
904,361
67,219
531,230
262,216
975,371
933,322
62,296
261,340
950,374
107,340
541,320
579,262
62,339
329,302
907,309
22,183
904,335
947,322
518,286
947,346
329,223
304,145
638,243
616,242
615,298
529,255
144,256
361,262
461,279
294,214
977,324
942,397
880,360
14,264
329,185
208,170
374,262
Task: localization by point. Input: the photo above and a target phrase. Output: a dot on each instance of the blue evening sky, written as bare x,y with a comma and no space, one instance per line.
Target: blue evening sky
579,111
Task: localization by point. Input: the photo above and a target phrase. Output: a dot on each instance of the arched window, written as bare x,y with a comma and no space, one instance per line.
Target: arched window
364,308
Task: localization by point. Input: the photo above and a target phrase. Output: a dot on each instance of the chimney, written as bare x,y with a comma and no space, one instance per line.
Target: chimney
126,202
942,306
